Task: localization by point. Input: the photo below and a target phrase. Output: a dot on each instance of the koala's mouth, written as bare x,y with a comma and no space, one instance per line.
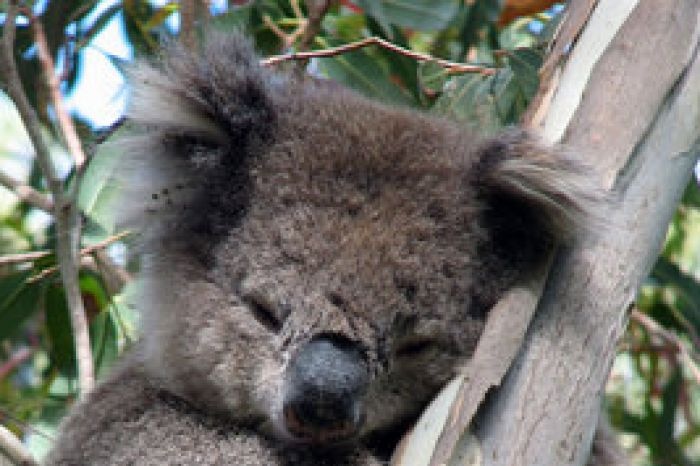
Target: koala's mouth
331,434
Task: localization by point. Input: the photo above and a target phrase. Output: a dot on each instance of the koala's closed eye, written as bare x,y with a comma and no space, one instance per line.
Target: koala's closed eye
267,311
414,338
415,346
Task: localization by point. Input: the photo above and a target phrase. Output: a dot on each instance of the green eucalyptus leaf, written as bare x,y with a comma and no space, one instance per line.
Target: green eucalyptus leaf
362,72
58,326
432,77
423,15
526,63
375,9
469,99
18,301
97,187
103,339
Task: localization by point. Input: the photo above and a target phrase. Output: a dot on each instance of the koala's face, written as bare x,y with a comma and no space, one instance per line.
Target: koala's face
340,299
320,265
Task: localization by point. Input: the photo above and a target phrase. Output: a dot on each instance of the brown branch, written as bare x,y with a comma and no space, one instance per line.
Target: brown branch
655,329
317,10
13,87
65,212
187,19
26,193
53,82
334,51
11,446
114,276
287,39
311,27
36,255
15,360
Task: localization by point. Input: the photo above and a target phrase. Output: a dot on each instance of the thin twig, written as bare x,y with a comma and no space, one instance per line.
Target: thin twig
15,360
27,427
14,449
654,328
311,27
334,51
13,87
70,135
65,212
26,193
317,10
114,276
187,19
287,39
36,255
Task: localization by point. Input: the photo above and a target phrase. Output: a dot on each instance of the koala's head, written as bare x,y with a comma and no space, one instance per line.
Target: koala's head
319,264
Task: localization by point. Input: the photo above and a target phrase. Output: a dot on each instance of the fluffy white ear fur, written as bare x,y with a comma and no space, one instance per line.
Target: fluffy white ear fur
157,102
565,195
154,184
568,198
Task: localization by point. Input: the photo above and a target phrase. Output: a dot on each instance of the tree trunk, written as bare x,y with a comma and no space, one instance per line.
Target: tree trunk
627,100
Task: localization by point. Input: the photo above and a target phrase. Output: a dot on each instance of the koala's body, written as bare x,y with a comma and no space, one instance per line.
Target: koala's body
317,265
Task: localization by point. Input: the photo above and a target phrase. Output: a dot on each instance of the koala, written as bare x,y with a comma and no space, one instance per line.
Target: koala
316,265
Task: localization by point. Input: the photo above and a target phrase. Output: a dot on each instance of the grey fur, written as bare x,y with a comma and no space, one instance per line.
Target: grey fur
334,215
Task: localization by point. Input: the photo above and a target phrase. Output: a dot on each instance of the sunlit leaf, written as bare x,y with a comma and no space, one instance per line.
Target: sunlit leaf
97,187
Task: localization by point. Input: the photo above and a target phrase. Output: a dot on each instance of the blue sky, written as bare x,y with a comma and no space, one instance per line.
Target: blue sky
100,92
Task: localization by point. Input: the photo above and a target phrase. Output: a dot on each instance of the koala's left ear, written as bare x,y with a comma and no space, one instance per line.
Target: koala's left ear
216,95
541,191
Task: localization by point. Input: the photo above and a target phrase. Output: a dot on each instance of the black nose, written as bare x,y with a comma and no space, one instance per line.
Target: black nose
324,386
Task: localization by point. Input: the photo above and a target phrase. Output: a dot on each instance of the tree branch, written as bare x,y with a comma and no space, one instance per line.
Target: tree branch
114,276
655,329
334,51
26,193
317,10
36,255
15,360
65,211
627,61
14,449
187,19
13,87
65,122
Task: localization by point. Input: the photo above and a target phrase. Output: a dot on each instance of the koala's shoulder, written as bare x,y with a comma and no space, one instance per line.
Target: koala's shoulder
130,421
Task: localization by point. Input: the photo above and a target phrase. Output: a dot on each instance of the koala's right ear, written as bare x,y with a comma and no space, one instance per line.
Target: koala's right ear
215,95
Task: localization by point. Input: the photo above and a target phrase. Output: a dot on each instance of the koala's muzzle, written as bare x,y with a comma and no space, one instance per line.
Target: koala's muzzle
325,383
